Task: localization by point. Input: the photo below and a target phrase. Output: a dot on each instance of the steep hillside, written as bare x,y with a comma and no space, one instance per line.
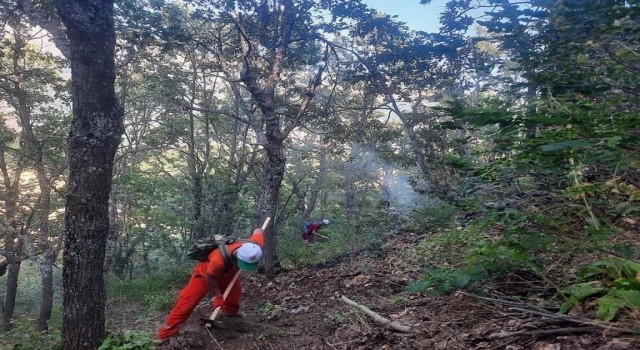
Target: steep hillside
305,309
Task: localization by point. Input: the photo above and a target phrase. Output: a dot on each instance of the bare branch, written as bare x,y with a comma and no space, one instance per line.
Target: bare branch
50,23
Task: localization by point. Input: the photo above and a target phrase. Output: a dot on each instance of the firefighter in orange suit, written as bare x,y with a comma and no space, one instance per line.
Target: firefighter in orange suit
214,276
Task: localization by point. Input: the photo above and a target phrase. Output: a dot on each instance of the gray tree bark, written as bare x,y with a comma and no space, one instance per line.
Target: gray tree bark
93,140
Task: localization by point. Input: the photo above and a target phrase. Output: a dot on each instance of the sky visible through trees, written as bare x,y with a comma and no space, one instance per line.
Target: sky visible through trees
417,16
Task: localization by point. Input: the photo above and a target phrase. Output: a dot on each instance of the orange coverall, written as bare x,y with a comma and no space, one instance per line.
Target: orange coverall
197,287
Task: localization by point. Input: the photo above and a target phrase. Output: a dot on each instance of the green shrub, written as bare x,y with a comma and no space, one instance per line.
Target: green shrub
334,321
129,340
433,216
294,253
444,281
613,281
344,236
157,291
24,336
449,246
486,249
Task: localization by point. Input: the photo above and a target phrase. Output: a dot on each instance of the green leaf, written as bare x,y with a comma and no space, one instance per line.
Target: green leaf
626,251
419,286
613,141
558,146
616,299
608,307
460,279
627,284
569,304
583,290
612,267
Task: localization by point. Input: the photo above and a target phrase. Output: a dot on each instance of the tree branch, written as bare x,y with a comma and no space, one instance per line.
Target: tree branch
376,317
50,23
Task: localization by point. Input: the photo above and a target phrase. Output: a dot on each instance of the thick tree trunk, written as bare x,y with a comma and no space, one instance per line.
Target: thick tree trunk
93,140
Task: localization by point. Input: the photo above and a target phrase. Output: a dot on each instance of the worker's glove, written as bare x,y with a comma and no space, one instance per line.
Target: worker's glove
217,301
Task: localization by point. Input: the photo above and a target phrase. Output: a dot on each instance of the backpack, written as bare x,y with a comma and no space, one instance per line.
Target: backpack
305,226
202,248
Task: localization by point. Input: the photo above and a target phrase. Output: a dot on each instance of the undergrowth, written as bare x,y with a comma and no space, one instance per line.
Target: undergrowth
157,292
529,242
24,336
462,257
343,236
128,340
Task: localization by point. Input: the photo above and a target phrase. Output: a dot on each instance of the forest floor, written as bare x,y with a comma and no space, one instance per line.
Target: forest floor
304,309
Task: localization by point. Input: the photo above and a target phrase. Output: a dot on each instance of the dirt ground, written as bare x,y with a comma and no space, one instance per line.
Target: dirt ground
305,309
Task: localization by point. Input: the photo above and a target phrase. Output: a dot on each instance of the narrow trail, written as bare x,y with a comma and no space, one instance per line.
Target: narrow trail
302,309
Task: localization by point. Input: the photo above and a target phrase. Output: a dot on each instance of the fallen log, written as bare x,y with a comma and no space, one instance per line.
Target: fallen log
376,317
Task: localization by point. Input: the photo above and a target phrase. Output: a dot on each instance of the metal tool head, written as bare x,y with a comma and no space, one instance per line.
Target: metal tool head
209,323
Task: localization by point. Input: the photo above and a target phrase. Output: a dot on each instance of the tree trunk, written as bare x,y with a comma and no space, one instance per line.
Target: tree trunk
350,177
300,200
12,250
386,186
123,259
317,186
23,108
272,176
43,206
93,140
196,183
262,88
46,304
351,174
10,294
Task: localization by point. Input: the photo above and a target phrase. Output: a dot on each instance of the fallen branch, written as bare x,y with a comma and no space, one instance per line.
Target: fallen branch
568,330
526,309
504,302
577,320
376,317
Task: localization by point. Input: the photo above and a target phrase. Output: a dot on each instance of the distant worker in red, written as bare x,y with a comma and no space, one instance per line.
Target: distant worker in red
214,275
311,228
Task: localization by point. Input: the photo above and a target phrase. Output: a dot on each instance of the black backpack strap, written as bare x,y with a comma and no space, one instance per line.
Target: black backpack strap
226,256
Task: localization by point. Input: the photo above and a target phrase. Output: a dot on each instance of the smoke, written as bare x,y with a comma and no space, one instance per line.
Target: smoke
394,183
397,188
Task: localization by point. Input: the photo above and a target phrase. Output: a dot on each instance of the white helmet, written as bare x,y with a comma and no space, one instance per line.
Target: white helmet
325,221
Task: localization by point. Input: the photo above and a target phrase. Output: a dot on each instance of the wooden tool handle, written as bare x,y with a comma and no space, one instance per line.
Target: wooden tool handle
266,223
